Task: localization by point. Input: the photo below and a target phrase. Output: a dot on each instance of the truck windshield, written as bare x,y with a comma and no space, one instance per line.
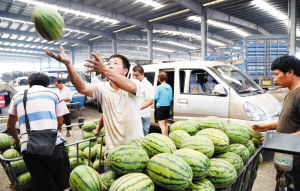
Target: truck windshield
241,83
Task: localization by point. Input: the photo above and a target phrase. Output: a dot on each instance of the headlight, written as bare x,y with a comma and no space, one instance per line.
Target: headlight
254,112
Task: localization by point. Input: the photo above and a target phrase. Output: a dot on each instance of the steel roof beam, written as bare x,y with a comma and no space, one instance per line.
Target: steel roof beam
33,43
35,35
72,27
213,14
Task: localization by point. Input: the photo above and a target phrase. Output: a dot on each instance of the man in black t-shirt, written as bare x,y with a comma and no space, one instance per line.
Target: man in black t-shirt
287,75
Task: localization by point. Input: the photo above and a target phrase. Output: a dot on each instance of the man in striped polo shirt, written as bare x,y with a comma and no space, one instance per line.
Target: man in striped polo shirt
45,110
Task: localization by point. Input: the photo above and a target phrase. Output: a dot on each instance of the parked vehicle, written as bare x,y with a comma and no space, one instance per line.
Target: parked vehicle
21,83
226,91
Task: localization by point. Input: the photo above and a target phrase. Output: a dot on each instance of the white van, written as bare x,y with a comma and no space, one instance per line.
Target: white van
209,88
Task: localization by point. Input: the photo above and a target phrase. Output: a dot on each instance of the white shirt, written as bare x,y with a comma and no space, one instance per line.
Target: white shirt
66,93
43,107
146,93
121,115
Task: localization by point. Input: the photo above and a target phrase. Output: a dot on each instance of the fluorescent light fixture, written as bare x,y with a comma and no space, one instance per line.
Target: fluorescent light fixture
164,50
22,37
5,35
6,43
95,38
64,43
221,25
123,29
169,15
75,44
151,3
20,45
71,11
189,35
13,54
273,11
15,20
176,44
213,2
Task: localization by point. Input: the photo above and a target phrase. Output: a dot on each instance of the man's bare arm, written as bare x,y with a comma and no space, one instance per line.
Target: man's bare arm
60,122
11,127
76,80
146,104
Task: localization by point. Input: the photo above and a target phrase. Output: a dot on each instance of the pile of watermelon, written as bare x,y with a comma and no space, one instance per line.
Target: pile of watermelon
8,151
200,154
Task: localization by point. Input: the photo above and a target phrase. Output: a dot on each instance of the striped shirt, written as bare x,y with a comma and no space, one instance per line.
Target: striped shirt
43,107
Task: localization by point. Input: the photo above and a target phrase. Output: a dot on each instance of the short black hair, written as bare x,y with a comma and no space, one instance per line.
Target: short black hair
38,79
286,64
58,80
124,59
138,68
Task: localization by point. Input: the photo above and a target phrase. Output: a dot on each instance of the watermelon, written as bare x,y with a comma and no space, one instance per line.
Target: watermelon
90,152
19,167
84,178
101,140
48,23
86,162
221,173
218,137
126,159
87,135
178,136
169,172
251,148
73,154
98,165
89,127
25,181
203,185
199,143
240,150
197,161
107,179
84,145
233,159
257,135
11,154
5,142
102,132
210,122
189,126
257,142
237,134
136,142
133,182
260,158
74,162
155,143
103,153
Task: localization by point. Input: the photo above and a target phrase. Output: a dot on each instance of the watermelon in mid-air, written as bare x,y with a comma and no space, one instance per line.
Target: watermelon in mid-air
48,23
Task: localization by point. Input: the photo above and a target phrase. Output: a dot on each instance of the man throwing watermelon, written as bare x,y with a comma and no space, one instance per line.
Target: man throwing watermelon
118,97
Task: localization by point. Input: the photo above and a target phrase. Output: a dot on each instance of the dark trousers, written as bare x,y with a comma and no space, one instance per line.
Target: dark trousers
49,173
293,177
67,120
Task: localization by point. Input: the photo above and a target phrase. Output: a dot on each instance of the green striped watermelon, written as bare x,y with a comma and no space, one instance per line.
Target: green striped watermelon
178,136
170,172
210,122
203,185
107,179
233,159
11,154
257,135
155,143
197,161
199,143
74,162
89,127
73,154
221,173
87,135
5,142
240,150
19,166
103,153
237,134
133,182
188,126
85,178
218,137
48,23
136,142
251,148
126,159
25,181
98,165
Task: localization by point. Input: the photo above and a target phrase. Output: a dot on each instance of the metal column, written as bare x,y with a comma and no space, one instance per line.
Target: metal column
114,44
203,34
150,44
292,26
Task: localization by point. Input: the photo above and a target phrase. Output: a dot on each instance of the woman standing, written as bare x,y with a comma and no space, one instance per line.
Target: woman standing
163,97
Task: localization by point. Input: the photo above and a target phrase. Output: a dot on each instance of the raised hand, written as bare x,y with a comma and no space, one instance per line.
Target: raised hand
96,64
62,57
259,128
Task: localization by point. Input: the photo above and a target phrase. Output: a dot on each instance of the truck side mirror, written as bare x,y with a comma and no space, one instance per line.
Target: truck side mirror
219,90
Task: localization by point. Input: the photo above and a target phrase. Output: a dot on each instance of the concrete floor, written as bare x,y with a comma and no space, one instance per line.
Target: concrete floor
265,180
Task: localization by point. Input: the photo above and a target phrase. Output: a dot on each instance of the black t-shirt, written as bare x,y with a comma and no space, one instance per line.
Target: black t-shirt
289,120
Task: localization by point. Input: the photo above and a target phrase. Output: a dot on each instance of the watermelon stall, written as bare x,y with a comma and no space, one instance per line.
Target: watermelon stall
87,152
